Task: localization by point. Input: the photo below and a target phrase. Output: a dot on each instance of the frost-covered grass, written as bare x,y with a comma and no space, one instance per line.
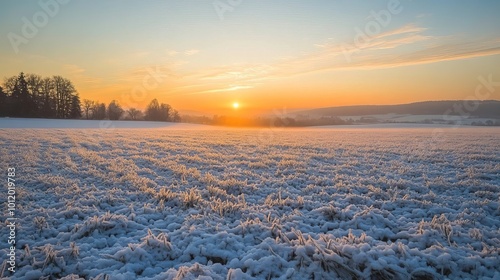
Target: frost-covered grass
242,204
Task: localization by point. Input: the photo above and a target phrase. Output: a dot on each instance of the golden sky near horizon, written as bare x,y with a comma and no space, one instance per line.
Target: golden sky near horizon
204,56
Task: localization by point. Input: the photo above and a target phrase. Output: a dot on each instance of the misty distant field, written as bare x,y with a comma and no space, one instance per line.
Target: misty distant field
193,202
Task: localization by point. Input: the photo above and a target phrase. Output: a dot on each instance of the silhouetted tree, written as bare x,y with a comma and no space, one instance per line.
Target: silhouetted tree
99,111
35,89
115,111
175,116
34,96
197,119
87,106
22,102
153,111
75,109
48,99
160,112
64,92
164,114
134,114
8,85
3,103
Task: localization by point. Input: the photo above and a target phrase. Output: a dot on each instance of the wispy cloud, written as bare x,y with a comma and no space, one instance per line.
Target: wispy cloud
172,53
227,89
445,52
221,79
73,69
191,52
79,76
403,46
405,35
237,72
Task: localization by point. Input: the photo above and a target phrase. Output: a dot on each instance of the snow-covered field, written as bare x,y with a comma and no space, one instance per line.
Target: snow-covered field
79,124
201,203
437,119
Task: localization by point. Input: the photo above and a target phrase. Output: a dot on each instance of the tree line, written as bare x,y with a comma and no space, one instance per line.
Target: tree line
277,121
95,110
34,96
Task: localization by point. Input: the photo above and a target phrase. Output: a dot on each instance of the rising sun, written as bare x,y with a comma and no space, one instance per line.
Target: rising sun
236,105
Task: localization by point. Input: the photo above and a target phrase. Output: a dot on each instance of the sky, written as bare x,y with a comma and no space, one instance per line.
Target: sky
202,56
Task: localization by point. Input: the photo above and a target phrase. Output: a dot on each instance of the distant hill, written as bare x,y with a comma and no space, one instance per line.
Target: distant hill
485,109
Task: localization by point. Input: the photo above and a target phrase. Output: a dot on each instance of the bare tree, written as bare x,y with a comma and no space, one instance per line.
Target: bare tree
64,91
3,103
175,116
88,106
48,108
165,110
9,84
35,88
159,112
32,95
134,114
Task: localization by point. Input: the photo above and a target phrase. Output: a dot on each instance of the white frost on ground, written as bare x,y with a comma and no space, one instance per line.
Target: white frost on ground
255,204
89,124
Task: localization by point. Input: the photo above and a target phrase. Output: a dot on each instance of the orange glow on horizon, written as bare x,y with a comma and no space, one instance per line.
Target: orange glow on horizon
251,64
